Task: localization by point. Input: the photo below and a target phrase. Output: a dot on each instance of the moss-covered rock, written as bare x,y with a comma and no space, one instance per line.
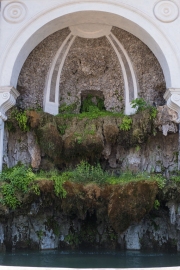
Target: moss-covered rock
130,203
76,138
50,141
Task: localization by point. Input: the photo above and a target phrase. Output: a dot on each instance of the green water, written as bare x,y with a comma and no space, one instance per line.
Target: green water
82,259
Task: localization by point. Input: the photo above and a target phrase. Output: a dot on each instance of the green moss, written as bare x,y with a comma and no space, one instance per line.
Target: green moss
68,109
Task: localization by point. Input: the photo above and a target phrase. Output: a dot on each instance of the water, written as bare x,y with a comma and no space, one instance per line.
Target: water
127,259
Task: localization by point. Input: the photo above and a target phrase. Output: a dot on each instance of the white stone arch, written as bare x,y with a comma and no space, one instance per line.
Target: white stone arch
68,13
51,104
52,91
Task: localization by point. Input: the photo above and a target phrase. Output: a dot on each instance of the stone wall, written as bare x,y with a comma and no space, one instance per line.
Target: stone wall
148,70
91,64
157,231
159,154
33,75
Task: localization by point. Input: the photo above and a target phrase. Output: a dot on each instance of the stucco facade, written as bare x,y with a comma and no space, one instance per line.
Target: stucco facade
24,25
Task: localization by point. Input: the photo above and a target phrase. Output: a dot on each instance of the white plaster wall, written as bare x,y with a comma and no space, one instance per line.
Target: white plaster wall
44,17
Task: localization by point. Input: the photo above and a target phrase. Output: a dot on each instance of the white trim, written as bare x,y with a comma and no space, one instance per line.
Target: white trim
8,96
44,23
135,84
53,107
1,141
128,109
93,30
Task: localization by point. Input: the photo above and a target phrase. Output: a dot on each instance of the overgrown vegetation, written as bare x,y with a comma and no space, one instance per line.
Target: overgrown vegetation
68,109
21,118
70,137
89,106
139,104
19,180
14,181
126,123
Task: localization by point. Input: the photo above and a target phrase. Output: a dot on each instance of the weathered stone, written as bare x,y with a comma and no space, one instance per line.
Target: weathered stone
34,150
165,120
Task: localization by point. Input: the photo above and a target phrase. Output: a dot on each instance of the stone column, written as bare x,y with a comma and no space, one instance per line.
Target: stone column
8,96
172,96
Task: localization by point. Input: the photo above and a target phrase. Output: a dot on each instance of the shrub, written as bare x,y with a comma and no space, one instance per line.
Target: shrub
15,180
139,104
21,117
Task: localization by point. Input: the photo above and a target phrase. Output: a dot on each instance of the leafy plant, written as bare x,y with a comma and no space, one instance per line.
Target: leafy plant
89,106
126,123
16,180
62,129
21,118
85,172
59,180
139,104
153,112
156,204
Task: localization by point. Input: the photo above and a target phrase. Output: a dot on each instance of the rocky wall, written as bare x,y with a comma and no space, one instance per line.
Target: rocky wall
56,141
32,79
44,225
91,64
148,70
159,154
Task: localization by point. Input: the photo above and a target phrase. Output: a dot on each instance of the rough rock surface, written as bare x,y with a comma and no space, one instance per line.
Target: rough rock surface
148,71
166,120
21,147
91,64
49,223
70,140
32,78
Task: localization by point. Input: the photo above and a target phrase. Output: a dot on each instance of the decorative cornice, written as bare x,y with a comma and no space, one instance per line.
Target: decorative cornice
172,96
8,96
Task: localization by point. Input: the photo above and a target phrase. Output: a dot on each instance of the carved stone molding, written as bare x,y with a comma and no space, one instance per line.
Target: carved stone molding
172,96
90,30
15,12
166,11
8,96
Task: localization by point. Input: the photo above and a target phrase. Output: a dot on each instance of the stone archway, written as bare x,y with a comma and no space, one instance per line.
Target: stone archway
89,31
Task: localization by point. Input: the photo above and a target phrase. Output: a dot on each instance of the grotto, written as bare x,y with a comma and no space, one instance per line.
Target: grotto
89,125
